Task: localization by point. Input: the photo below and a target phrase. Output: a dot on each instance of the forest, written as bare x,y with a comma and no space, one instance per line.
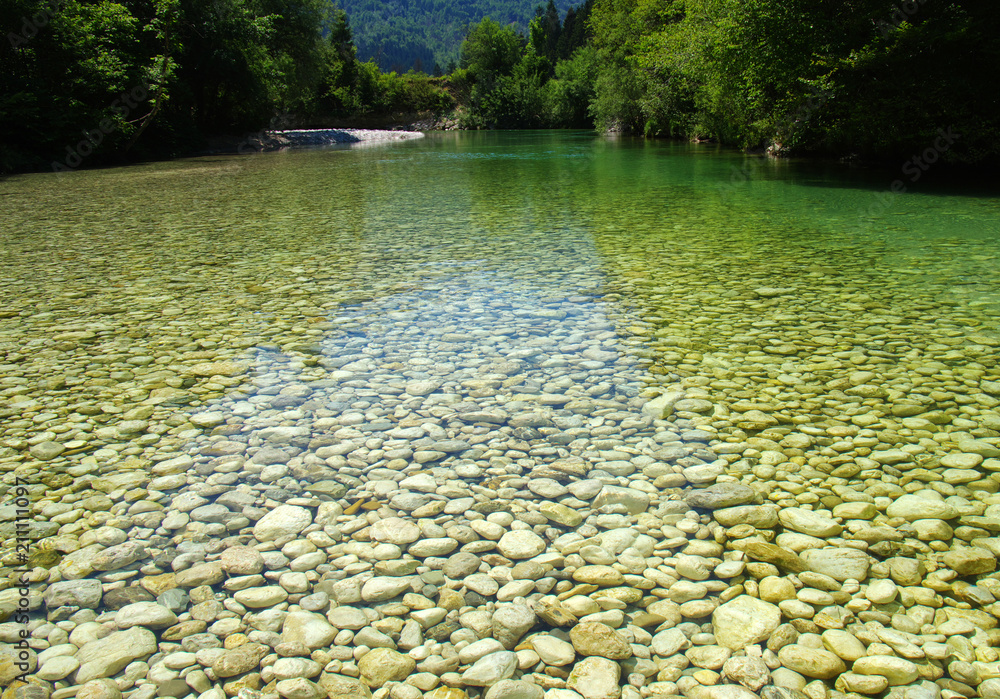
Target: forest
863,79
98,81
427,34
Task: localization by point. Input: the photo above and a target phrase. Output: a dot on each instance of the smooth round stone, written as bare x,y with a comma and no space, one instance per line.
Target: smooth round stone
521,543
210,513
177,520
881,591
164,483
488,530
775,589
758,516
547,488
395,530
594,638
955,476
479,649
347,618
844,645
432,547
855,510
811,662
970,561
816,598
79,593
709,657
46,451
839,563
595,677
207,420
258,597
381,665
58,667
553,651
561,514
962,461
461,565
669,642
482,584
490,669
287,668
382,588
99,689
515,589
511,622
721,495
299,688
310,629
933,530
149,614
294,583
602,575
283,521
809,522
515,689
240,660
913,507
118,556
422,388
597,555
743,621
862,684
896,670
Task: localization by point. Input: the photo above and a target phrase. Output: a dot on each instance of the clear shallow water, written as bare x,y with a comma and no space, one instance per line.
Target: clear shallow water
164,264
561,273
211,258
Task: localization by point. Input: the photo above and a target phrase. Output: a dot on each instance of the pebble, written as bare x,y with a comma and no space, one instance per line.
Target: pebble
406,478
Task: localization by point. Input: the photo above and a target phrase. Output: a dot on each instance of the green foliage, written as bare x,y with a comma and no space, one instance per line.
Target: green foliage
86,81
491,50
568,97
403,34
870,77
508,81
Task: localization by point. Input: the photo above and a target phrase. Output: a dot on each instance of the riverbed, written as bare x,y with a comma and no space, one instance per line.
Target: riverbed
499,415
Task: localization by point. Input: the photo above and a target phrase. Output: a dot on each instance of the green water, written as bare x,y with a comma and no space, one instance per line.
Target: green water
211,258
676,229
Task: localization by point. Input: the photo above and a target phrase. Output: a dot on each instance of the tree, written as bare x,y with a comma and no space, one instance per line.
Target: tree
490,50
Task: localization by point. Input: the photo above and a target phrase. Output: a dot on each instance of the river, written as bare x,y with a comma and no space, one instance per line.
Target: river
547,412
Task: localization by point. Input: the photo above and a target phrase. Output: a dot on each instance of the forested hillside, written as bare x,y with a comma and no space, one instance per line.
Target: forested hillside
404,34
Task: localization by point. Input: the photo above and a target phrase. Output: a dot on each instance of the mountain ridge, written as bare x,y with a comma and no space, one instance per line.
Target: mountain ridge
401,35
